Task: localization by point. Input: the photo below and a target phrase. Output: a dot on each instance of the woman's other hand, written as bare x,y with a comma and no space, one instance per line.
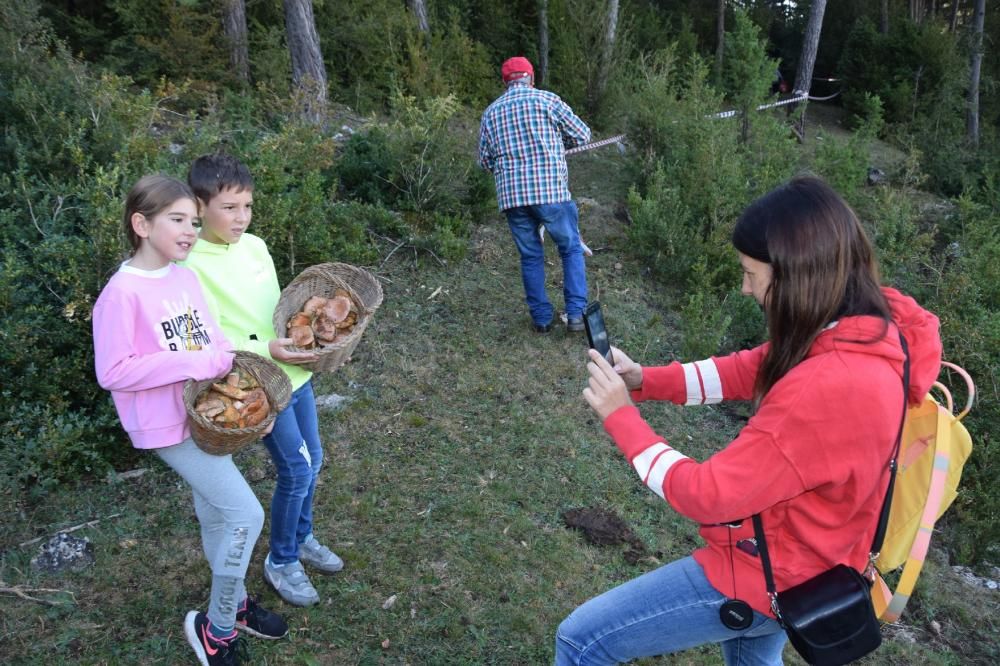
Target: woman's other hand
276,348
627,369
606,391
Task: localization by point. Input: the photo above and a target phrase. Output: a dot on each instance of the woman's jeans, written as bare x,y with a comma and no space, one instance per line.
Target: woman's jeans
560,221
670,609
298,455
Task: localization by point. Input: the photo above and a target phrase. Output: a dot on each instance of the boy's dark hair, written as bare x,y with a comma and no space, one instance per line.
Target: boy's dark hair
211,174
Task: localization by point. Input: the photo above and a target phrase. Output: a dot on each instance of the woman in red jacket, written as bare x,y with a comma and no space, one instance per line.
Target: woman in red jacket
812,460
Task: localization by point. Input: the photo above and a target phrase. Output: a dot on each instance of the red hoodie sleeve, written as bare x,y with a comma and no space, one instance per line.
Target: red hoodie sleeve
748,476
703,382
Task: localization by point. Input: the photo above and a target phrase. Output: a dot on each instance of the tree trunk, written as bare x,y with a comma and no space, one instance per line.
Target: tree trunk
543,42
972,120
883,18
953,23
720,40
807,59
234,24
607,52
308,70
419,9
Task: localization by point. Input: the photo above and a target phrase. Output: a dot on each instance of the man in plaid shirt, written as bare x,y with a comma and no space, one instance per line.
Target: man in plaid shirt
522,142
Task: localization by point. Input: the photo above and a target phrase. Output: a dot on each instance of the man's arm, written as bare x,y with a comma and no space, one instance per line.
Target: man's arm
574,131
486,158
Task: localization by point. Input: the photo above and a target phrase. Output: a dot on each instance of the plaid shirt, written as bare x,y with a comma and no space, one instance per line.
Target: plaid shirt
522,142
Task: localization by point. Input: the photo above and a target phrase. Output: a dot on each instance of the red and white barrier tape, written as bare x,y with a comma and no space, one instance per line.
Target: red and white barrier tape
596,144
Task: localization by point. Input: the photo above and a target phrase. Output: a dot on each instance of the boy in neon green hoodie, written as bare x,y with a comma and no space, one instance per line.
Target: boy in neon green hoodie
238,277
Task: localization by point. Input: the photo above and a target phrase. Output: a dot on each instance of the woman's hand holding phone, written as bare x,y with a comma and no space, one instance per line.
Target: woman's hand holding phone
606,391
627,369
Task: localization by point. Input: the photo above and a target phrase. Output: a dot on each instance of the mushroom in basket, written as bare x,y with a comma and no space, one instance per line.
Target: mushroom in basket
238,401
323,321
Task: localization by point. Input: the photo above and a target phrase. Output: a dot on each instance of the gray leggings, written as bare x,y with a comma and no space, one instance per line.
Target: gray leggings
231,519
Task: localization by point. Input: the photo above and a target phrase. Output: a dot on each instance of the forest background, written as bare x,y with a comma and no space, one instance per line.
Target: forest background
359,119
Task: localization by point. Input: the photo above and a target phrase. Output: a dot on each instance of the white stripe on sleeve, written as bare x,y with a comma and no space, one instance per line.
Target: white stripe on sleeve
653,464
701,379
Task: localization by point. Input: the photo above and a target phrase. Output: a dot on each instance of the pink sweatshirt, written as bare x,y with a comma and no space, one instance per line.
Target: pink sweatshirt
152,332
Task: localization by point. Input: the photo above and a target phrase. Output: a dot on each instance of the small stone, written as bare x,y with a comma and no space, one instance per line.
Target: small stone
936,627
64,552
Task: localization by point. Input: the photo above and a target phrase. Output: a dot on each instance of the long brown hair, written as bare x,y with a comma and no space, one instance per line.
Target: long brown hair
150,196
823,268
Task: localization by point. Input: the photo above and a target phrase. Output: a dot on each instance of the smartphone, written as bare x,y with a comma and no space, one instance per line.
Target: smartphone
597,334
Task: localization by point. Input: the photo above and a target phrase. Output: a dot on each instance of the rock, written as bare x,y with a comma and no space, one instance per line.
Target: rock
875,176
64,552
331,401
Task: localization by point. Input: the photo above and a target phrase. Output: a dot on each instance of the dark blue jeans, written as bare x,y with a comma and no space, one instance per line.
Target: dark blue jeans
298,455
560,221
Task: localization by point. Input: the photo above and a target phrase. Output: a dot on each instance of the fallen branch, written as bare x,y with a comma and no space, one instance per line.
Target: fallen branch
23,593
90,523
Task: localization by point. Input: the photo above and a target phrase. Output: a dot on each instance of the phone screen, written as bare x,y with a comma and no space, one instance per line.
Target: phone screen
597,334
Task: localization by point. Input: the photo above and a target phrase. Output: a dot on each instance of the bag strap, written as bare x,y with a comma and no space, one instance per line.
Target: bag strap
883,520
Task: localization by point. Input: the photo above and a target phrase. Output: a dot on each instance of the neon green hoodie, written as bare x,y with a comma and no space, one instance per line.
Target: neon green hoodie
241,287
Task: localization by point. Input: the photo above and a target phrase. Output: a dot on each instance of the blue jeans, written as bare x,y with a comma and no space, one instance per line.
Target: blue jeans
670,609
298,455
560,221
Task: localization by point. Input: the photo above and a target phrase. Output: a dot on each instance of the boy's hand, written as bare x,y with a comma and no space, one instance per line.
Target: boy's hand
606,392
276,348
627,369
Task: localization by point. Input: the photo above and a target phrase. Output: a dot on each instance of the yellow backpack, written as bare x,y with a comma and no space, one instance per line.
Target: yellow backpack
933,450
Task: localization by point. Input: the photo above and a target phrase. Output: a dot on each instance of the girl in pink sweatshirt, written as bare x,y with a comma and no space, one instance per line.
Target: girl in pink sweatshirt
152,332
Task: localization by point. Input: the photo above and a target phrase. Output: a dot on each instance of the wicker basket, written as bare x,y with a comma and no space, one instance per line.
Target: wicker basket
323,280
214,439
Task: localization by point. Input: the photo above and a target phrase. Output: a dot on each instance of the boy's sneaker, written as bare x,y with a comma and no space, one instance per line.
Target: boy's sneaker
319,557
212,651
290,582
254,619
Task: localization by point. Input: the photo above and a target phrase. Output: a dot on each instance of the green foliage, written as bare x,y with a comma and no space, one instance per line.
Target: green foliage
748,71
844,164
703,323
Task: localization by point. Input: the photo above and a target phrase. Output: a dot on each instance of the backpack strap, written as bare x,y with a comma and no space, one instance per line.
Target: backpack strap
918,551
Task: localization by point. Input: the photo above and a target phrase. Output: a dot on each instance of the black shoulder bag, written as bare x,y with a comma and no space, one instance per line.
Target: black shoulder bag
829,618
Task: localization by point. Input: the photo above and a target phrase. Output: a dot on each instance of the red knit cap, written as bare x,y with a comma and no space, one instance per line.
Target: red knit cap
516,67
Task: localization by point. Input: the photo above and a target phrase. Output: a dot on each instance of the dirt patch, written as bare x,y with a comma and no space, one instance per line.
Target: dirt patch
605,528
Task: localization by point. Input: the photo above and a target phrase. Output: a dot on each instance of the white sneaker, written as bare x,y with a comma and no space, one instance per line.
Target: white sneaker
290,582
319,557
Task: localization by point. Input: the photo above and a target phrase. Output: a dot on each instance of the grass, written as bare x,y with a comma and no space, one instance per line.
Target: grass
463,439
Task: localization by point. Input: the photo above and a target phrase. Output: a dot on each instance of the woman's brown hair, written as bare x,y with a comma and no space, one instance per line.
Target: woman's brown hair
149,196
823,268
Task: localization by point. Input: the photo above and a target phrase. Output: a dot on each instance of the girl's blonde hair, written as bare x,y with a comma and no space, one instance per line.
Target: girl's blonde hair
148,197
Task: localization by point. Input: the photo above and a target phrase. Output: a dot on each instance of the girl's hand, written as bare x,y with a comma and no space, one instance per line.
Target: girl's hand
627,369
606,392
276,348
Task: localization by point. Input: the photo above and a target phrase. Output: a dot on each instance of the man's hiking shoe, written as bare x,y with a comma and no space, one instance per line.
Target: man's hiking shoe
212,651
541,328
290,582
574,324
254,619
319,557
